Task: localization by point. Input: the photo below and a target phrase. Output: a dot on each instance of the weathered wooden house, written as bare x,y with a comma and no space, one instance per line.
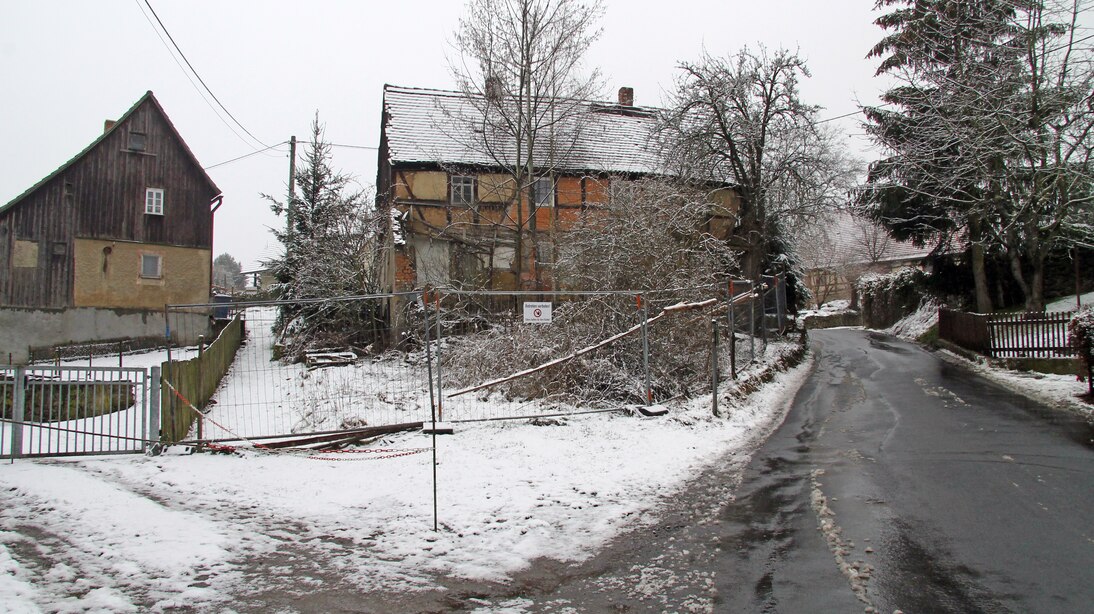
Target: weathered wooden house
453,198
125,226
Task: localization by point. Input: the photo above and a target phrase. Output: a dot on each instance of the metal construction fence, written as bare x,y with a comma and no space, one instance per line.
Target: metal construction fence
67,411
330,365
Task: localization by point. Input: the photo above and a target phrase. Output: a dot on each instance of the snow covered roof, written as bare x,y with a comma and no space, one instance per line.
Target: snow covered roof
851,239
434,126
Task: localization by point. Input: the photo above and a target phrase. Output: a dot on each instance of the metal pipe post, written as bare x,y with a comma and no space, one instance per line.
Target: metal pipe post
440,397
201,386
732,336
646,348
153,419
714,366
752,322
432,407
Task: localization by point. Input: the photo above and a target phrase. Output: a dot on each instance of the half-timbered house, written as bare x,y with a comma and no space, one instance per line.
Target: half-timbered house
459,218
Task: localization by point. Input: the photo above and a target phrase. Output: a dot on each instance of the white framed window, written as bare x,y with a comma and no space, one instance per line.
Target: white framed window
543,191
463,190
153,201
151,266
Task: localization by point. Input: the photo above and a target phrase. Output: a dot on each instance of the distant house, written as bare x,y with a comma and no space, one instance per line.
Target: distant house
842,247
126,225
457,211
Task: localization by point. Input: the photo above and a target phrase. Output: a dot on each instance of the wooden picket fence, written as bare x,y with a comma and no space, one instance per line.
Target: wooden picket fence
1008,335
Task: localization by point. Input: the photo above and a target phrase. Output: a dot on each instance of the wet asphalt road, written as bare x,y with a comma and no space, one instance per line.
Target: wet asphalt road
897,482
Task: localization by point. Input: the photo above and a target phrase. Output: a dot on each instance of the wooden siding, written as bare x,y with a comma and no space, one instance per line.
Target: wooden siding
100,195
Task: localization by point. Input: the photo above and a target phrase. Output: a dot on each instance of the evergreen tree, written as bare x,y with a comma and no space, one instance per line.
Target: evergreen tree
329,240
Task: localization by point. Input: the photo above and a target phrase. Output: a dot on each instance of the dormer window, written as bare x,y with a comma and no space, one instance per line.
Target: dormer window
153,201
138,141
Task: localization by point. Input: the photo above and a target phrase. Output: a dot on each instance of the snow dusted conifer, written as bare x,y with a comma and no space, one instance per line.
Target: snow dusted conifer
329,239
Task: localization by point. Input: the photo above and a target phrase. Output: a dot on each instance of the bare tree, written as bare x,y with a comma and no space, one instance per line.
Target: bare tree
526,91
649,236
740,119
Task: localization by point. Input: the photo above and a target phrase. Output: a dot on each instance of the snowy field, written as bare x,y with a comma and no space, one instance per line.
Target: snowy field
1068,303
117,534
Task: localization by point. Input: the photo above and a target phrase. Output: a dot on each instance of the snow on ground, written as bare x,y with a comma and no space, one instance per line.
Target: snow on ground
1068,303
148,533
1060,391
913,325
829,308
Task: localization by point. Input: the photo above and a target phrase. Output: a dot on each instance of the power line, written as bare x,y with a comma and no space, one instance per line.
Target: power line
189,78
196,74
248,155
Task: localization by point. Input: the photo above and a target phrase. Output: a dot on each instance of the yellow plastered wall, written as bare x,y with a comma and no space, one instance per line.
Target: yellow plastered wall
421,185
496,189
726,202
108,274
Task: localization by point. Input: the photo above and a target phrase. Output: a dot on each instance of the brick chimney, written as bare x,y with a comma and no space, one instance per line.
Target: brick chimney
626,96
108,124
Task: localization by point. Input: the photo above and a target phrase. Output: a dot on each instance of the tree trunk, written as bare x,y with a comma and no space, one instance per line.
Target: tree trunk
1019,277
979,272
1036,300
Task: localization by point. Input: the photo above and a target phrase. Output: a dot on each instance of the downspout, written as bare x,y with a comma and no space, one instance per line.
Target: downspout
215,203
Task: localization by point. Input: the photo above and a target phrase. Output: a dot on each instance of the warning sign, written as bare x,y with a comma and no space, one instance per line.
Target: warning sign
537,313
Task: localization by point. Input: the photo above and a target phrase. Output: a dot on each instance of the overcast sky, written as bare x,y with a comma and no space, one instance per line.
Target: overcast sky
65,66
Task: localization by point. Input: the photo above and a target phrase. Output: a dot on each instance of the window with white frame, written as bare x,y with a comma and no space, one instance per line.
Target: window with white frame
151,266
153,201
463,190
542,192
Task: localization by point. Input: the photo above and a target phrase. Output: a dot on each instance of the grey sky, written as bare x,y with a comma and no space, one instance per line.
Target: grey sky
67,65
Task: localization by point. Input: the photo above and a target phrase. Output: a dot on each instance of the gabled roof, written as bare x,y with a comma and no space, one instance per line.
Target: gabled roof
850,239
430,126
148,97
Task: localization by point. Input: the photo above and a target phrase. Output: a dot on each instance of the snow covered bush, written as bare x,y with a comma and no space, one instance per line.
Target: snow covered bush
886,298
1081,333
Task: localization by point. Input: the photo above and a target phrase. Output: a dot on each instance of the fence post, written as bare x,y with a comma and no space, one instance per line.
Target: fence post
432,405
201,386
153,410
440,397
19,399
646,347
752,321
732,336
714,366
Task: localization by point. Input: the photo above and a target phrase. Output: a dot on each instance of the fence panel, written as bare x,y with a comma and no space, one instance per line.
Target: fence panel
1030,335
281,383
401,359
968,330
66,411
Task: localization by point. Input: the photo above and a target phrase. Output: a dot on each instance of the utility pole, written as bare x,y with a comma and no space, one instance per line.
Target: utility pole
290,208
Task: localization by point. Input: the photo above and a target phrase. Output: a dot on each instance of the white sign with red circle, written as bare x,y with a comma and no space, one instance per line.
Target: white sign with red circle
537,313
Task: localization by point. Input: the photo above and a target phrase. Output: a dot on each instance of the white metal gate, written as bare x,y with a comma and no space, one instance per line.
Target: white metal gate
70,411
